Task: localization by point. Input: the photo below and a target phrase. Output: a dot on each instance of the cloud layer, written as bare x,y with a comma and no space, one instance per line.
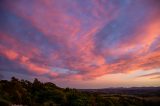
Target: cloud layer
76,39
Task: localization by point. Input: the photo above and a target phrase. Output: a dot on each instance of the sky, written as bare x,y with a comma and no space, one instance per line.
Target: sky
81,43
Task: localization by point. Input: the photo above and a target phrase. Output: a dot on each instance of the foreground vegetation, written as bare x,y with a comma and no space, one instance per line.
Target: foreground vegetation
48,94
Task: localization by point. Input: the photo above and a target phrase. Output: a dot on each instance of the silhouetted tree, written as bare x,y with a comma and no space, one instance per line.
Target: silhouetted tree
37,93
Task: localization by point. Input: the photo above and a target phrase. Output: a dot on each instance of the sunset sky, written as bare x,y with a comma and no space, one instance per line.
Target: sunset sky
81,43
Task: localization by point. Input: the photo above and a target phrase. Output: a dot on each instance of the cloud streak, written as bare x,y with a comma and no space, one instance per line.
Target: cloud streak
154,75
80,39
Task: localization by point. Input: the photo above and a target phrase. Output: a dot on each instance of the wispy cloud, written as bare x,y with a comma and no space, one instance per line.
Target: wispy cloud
154,75
87,38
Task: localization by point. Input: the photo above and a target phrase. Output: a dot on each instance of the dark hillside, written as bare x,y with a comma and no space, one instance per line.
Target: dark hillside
26,93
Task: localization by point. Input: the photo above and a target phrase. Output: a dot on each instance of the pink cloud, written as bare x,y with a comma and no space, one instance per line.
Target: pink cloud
71,31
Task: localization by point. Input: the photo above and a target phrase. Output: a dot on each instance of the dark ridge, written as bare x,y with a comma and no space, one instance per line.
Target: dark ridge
26,93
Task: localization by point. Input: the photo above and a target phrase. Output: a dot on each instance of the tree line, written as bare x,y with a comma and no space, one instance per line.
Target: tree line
36,93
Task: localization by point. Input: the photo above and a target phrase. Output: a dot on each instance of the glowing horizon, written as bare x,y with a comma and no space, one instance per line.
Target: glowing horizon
81,44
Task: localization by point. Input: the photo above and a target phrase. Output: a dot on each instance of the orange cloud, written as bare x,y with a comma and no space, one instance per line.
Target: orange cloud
11,54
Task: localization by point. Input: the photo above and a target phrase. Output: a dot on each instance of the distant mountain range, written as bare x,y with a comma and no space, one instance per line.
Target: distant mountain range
141,91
